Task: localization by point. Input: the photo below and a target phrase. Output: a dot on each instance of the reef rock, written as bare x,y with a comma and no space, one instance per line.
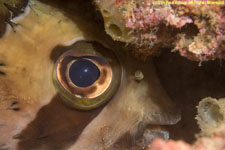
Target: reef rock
194,28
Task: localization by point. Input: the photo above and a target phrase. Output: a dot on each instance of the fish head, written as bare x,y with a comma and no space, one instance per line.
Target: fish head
41,108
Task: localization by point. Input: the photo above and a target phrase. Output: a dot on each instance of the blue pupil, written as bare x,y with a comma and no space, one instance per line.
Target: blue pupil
83,73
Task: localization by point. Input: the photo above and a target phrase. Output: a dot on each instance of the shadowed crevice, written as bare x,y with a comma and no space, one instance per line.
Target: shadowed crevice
187,83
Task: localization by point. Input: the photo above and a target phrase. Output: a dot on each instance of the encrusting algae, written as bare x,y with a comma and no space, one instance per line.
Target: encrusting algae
197,31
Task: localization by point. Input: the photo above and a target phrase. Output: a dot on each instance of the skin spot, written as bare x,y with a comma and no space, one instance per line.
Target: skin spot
2,73
14,106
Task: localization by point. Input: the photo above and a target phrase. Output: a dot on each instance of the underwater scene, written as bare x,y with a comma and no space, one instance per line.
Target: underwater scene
112,75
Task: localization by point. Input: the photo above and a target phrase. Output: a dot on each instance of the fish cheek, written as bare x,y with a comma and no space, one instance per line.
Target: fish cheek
26,71
136,103
56,126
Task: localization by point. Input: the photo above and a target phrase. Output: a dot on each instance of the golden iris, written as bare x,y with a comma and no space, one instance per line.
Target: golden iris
87,75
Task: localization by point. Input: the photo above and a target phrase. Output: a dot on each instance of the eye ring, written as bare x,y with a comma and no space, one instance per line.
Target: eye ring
91,96
103,82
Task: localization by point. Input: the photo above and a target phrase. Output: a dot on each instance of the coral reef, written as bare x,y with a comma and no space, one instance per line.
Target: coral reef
196,30
211,121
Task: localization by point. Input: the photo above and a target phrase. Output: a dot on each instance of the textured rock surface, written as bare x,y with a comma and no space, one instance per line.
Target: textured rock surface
196,31
211,115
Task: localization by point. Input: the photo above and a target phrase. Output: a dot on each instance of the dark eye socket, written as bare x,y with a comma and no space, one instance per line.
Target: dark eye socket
85,77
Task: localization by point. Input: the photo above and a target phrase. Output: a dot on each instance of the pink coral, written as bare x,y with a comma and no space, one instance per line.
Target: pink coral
147,16
159,144
195,30
215,142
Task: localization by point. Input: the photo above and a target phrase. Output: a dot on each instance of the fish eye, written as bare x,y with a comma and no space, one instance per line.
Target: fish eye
87,75
83,72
